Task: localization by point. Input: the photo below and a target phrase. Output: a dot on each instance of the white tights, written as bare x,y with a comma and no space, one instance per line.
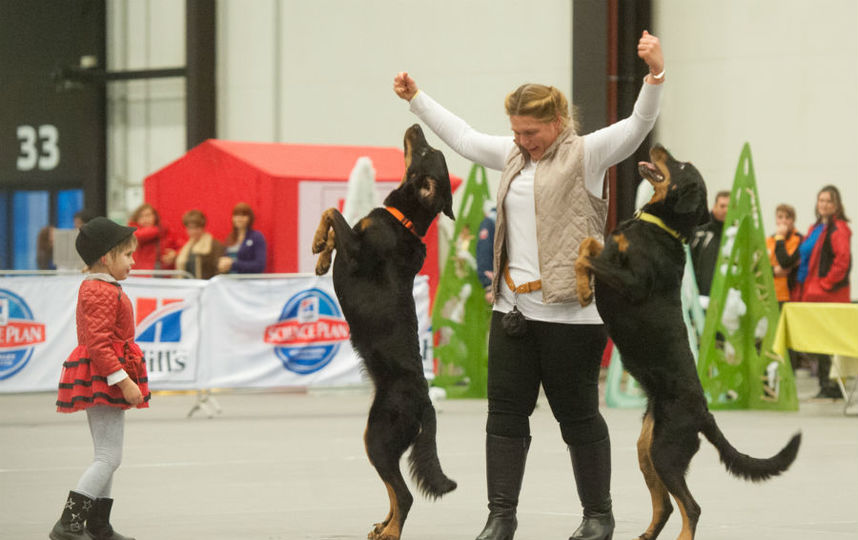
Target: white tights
107,426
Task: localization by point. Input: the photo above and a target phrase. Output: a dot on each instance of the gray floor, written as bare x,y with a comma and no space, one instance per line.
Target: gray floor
288,466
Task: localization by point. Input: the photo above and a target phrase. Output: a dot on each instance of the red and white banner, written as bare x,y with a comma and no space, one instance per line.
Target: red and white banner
286,332
222,333
37,330
166,316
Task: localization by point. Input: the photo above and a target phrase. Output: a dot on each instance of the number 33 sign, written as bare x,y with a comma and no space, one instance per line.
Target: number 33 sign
39,147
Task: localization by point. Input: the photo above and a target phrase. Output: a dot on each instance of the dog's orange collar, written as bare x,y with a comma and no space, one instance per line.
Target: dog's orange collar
407,223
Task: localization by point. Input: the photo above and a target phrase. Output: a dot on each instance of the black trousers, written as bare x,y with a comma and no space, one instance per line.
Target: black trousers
565,359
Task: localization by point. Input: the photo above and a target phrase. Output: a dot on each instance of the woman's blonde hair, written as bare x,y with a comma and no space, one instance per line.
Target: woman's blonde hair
544,103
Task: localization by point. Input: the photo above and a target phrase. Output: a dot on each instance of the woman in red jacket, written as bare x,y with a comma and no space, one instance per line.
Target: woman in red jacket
826,260
104,375
156,247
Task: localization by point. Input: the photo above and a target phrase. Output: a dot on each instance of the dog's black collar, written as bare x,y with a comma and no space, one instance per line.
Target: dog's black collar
649,218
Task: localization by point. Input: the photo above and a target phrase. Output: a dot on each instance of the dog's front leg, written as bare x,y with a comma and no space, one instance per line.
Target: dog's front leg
332,233
590,247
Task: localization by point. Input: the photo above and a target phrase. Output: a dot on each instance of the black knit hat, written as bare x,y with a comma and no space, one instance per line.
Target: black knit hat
98,236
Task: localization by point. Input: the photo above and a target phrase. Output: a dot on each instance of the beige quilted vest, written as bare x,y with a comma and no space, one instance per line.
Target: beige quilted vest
566,213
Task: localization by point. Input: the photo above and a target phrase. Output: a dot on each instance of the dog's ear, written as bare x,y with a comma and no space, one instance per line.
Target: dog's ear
427,193
691,198
432,192
448,209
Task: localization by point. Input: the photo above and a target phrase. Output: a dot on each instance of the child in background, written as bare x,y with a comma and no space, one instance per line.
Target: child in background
783,253
104,375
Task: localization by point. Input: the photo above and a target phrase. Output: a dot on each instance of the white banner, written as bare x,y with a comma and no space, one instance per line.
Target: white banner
167,317
37,330
285,332
222,333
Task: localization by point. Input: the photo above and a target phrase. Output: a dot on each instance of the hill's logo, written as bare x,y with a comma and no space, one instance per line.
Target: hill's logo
159,333
309,332
19,332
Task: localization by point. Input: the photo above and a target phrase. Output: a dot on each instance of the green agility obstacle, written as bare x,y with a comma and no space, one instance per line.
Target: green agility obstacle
460,315
737,367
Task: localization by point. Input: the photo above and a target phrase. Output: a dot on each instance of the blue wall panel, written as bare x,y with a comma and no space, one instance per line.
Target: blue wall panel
30,212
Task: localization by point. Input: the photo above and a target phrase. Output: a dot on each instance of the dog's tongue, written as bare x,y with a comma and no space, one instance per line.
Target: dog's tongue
646,165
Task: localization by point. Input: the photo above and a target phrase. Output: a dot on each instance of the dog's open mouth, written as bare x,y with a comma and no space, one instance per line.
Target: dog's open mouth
650,172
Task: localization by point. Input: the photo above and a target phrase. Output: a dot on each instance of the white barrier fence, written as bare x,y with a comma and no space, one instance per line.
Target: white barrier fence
258,332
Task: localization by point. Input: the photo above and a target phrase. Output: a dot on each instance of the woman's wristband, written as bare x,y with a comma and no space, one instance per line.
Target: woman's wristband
658,77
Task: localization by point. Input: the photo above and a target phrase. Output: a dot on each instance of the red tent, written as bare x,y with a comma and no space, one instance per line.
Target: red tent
287,185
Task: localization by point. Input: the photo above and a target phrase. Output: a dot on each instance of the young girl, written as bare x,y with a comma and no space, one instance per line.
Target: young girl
104,375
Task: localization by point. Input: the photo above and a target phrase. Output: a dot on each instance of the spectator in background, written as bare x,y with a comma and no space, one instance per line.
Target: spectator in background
45,249
707,242
485,251
82,217
826,259
783,253
45,241
156,247
201,253
245,247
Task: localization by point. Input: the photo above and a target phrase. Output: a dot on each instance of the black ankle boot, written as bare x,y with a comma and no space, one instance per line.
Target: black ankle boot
505,458
71,523
98,524
591,464
827,388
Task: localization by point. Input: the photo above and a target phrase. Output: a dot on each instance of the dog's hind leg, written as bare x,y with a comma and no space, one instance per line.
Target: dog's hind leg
590,247
387,437
671,452
378,527
661,507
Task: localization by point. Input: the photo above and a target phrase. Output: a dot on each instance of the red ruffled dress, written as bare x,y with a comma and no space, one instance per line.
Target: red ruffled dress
105,336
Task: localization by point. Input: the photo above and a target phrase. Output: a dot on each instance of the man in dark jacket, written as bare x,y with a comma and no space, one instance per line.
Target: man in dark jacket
707,242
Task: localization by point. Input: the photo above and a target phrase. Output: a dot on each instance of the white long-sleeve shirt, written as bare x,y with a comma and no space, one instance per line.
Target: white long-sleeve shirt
601,149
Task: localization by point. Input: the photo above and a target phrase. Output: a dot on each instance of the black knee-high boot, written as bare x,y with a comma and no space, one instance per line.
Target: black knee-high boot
591,464
505,459
71,523
98,523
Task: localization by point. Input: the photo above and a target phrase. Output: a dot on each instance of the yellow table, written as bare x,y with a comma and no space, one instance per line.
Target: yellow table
824,328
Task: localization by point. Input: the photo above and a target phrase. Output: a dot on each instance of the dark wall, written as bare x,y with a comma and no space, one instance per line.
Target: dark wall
606,78
52,134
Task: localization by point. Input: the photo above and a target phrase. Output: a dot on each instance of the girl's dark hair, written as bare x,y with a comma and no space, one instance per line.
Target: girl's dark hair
240,209
839,213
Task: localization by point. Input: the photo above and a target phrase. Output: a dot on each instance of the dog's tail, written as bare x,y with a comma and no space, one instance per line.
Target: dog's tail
745,466
425,467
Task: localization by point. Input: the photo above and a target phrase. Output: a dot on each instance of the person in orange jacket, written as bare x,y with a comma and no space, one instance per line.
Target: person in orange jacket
783,253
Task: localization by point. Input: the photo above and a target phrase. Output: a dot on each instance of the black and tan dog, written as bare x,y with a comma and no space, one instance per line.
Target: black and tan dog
374,280
637,289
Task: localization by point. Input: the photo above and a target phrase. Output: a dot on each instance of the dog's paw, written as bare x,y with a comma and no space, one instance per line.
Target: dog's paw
320,240
381,535
323,264
585,294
